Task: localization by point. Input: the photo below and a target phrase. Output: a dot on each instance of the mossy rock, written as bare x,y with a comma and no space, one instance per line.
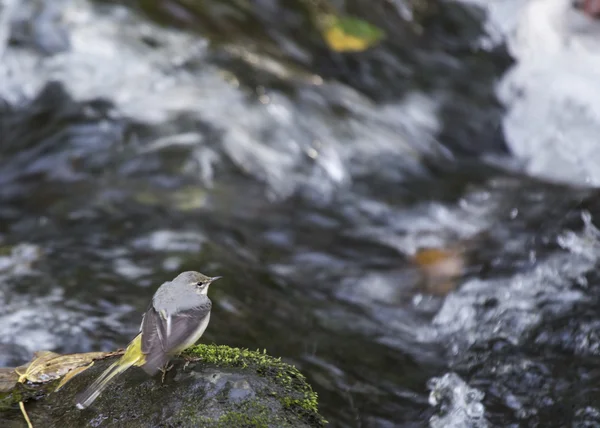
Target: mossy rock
291,390
208,386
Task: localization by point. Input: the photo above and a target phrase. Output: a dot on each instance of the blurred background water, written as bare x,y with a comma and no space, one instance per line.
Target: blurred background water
411,223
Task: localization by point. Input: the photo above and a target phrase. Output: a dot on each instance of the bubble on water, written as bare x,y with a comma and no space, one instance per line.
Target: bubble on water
586,243
458,405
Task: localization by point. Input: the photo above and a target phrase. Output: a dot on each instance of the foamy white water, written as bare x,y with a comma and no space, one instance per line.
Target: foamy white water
552,93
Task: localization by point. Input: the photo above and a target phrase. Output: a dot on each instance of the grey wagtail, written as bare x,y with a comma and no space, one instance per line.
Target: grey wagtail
176,318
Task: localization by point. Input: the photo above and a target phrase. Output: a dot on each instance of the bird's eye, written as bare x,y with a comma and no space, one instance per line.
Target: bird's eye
199,284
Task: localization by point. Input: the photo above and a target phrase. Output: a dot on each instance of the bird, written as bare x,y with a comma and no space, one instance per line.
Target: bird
175,319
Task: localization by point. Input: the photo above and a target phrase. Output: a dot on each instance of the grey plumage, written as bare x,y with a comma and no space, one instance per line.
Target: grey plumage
173,318
182,293
176,318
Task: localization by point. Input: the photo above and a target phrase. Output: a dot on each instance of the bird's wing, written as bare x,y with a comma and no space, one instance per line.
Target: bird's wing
164,333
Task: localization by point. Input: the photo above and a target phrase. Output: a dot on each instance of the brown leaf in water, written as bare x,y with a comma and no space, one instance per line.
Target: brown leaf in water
440,268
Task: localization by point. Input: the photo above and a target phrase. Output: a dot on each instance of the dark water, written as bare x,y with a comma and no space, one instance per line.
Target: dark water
307,179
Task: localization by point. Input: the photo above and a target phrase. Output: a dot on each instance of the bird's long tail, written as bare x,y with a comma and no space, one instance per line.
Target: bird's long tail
133,356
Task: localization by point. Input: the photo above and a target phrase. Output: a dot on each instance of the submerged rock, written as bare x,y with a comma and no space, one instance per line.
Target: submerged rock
209,386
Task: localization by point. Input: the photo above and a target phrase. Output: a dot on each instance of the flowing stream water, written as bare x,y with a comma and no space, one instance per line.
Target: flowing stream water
139,139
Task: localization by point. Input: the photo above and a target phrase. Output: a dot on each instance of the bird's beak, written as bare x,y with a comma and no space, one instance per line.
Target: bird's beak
214,278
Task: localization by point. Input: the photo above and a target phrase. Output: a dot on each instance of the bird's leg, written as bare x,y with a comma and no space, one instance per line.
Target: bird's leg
164,369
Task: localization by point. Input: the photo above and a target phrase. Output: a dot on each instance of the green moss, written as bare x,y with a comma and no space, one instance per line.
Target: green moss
224,356
295,403
10,399
298,396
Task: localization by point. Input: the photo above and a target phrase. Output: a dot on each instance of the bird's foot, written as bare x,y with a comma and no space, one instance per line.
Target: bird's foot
164,371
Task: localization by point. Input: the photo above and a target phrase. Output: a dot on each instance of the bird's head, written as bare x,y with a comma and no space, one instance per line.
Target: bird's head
196,279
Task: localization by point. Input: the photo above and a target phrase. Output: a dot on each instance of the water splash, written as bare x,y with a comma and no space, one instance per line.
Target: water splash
458,405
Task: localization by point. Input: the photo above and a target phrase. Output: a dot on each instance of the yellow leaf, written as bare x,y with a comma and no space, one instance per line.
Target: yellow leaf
342,42
349,34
